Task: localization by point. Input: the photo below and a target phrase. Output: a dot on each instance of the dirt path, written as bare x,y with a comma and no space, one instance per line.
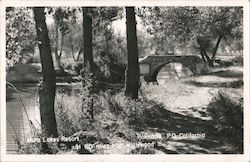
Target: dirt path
185,111
192,99
191,104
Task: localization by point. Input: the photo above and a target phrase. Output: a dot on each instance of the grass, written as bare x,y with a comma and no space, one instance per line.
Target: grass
172,88
118,119
226,110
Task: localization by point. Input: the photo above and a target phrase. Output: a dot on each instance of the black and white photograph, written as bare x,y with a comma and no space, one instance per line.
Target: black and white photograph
127,80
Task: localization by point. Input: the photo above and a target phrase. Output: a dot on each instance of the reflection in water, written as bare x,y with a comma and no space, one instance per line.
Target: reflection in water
17,123
172,71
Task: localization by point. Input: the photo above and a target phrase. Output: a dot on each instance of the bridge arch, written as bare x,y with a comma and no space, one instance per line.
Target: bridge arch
155,63
162,66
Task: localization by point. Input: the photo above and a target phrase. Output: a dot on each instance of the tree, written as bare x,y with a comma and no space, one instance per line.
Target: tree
87,39
61,17
73,40
200,28
102,31
88,68
20,38
101,19
224,24
47,87
57,56
132,71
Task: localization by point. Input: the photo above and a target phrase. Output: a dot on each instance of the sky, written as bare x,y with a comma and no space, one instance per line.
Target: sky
120,25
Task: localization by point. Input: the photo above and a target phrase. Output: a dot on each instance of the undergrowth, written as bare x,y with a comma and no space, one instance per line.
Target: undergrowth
226,110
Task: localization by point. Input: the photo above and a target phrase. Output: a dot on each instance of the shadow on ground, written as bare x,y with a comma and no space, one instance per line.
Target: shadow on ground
225,84
219,79
227,74
159,120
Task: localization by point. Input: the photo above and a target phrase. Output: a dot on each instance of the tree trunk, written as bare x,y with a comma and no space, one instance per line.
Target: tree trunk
216,48
79,54
202,55
88,55
87,39
61,49
206,56
72,48
132,72
56,44
58,62
73,55
48,87
60,54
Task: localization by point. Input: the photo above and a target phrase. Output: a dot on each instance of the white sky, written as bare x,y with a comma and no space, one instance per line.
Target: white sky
120,25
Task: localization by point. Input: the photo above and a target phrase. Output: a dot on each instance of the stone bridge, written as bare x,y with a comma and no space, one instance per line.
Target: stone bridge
151,65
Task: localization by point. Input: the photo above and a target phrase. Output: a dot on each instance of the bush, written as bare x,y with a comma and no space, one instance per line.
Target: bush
74,111
227,114
109,68
238,61
115,115
120,108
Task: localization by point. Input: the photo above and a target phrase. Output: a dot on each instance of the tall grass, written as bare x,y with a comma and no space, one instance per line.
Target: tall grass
226,110
113,112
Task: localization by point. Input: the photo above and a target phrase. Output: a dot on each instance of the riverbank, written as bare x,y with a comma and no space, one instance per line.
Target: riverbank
167,119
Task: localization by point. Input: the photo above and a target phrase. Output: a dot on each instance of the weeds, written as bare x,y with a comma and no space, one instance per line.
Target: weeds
227,114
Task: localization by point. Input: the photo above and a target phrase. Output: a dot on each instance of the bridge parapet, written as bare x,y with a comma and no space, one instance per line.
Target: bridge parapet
160,58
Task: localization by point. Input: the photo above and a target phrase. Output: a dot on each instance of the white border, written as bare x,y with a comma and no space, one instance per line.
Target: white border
183,157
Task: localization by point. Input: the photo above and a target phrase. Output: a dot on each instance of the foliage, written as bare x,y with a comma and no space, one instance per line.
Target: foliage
69,114
63,16
143,43
175,27
102,31
79,104
104,40
109,50
152,92
110,67
167,26
236,61
121,107
73,40
20,34
226,110
115,115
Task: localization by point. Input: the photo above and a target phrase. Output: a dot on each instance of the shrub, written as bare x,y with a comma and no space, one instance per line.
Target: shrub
114,114
238,61
73,110
120,108
227,114
109,68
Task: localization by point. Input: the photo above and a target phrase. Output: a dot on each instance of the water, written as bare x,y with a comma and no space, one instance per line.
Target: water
18,125
172,71
17,121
